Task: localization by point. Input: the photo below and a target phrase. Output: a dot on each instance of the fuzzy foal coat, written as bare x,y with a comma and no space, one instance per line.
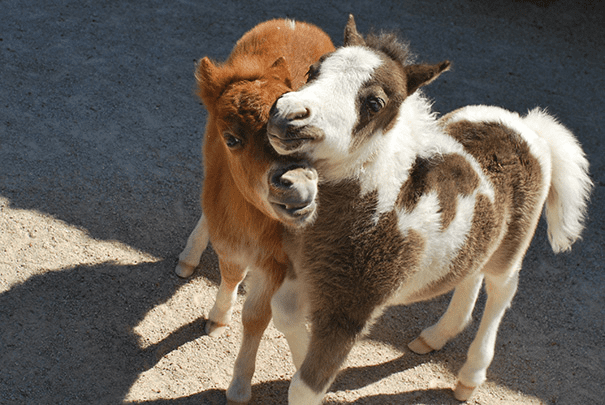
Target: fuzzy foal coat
411,207
245,231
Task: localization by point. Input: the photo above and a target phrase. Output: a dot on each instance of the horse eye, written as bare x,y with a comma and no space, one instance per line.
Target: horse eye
312,72
231,141
375,103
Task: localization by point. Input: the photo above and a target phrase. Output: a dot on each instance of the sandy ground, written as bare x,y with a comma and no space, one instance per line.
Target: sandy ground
100,174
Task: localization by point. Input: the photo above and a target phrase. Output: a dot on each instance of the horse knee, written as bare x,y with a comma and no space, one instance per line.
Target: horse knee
502,288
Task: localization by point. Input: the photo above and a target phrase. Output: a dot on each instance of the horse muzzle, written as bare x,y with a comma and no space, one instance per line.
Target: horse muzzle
292,193
289,128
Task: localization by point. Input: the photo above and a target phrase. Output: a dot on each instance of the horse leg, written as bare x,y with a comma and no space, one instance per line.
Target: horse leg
289,318
333,335
453,321
256,315
220,314
500,292
196,244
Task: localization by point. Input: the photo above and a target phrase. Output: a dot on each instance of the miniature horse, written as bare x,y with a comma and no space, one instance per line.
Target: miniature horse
250,191
410,207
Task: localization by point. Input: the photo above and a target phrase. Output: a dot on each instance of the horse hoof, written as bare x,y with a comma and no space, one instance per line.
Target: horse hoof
239,392
184,270
462,392
419,346
214,329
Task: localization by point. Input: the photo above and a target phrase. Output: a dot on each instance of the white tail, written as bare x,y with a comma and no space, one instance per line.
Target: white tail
570,183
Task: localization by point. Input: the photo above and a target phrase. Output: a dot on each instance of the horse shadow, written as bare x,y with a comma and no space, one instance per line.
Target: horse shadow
68,336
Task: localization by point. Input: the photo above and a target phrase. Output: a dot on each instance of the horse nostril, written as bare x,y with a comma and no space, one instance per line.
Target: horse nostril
280,182
299,114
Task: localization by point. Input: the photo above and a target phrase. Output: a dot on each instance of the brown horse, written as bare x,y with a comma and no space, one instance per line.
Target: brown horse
250,191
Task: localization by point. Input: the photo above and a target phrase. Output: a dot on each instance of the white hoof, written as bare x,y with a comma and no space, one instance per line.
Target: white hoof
462,392
419,346
301,394
214,329
184,270
239,392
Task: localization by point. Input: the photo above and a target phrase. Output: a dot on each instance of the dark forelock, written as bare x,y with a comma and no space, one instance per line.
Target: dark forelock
391,45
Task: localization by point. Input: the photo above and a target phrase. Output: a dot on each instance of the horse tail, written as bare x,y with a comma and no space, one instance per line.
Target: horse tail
570,185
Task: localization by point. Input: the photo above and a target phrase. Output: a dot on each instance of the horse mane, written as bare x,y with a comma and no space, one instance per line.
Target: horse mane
390,44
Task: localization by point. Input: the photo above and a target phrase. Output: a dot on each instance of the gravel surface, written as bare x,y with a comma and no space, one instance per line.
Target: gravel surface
100,173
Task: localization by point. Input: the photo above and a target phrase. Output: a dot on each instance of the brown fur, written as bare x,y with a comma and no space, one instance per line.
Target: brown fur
232,94
368,122
391,84
516,174
449,175
351,266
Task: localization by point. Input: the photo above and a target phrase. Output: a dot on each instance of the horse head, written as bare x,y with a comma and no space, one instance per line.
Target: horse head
352,95
238,99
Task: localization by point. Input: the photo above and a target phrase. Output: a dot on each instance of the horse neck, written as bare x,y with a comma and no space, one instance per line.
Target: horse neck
395,151
416,133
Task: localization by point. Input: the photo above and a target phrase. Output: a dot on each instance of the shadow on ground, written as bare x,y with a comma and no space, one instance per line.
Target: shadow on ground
67,336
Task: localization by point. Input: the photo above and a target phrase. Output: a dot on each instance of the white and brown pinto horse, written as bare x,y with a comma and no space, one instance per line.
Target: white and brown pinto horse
411,207
250,191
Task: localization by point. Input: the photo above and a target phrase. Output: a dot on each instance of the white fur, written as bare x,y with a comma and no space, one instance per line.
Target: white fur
441,245
196,244
388,159
458,313
289,311
570,184
300,394
339,116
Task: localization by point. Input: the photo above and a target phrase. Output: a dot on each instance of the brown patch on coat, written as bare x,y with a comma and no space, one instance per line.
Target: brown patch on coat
483,233
448,175
517,179
388,83
391,83
351,265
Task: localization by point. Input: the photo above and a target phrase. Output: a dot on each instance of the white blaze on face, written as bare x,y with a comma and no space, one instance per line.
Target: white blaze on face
331,100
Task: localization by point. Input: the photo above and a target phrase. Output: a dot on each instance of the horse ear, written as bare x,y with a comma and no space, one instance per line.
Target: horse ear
206,74
352,37
281,71
421,75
